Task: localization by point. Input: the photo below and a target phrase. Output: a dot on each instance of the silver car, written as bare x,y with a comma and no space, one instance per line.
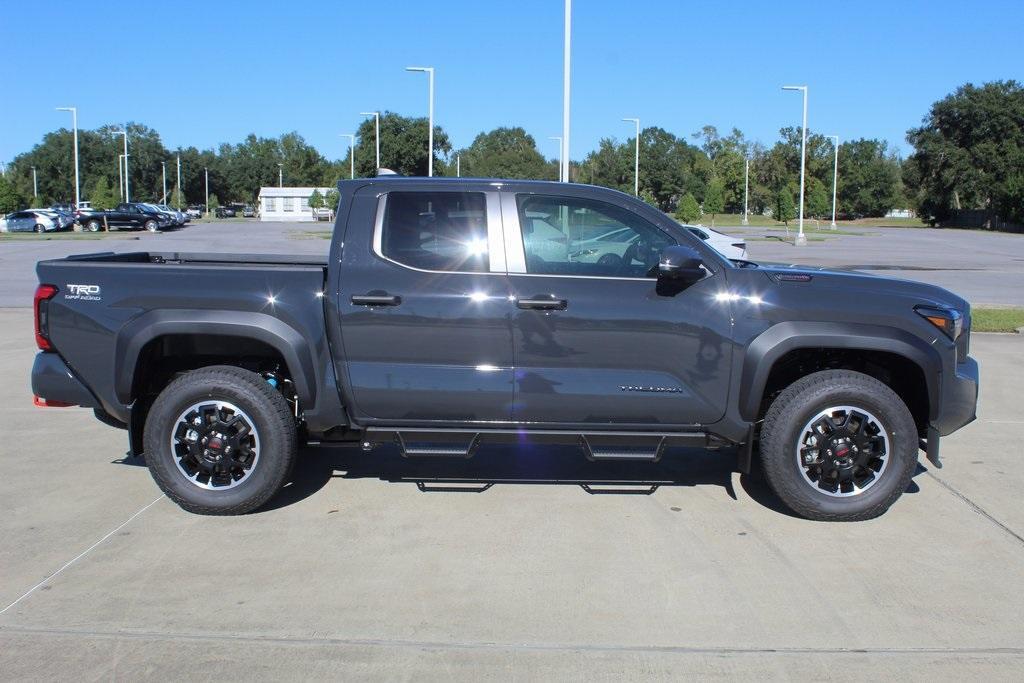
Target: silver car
30,221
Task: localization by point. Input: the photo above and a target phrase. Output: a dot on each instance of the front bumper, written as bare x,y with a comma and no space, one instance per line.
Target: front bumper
54,381
959,398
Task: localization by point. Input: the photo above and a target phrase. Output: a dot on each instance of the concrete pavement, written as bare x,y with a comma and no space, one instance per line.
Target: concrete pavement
371,565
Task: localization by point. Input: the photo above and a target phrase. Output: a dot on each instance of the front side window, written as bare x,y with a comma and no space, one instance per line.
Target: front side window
571,236
436,230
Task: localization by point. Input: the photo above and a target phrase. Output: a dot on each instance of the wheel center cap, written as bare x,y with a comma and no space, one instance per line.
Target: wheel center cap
215,444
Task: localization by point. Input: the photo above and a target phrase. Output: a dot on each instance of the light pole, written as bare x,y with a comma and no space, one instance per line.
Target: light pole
74,125
376,133
35,184
178,198
280,175
120,175
429,70
801,239
835,180
566,63
458,165
351,154
559,138
206,172
164,165
746,189
636,158
127,192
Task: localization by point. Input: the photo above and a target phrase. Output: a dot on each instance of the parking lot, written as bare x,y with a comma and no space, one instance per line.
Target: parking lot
519,563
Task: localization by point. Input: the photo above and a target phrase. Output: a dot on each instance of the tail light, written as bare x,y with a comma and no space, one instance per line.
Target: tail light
41,305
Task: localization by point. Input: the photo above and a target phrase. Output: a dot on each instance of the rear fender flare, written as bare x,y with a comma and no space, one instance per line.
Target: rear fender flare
286,340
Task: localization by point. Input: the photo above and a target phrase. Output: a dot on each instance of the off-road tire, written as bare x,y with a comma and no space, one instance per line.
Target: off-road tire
272,420
798,404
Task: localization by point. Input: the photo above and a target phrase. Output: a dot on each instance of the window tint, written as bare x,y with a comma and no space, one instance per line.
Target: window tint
436,230
570,236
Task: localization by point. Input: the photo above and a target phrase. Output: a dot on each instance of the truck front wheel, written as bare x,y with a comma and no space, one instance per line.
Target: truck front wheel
220,440
838,445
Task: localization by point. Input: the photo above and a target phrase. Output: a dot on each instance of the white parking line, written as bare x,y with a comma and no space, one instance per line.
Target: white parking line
85,552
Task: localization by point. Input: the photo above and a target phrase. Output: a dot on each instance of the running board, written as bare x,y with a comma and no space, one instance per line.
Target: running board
597,446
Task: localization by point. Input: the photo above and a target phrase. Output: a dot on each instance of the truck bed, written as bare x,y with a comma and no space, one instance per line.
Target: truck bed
184,258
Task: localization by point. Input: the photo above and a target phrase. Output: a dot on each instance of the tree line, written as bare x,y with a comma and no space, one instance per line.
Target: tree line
968,154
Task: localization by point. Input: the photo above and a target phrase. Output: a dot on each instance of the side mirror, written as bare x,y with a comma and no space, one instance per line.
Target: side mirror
677,262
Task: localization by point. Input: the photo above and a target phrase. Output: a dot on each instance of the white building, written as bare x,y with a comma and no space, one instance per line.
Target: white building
288,203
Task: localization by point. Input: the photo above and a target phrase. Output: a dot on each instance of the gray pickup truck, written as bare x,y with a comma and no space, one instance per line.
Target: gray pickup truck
455,313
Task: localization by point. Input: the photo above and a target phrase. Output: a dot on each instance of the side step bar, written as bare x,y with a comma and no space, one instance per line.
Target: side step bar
597,446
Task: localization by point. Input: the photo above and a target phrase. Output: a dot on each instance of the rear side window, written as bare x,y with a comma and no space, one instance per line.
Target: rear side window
436,230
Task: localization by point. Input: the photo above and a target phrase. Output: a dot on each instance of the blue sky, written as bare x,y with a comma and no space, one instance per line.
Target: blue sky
202,73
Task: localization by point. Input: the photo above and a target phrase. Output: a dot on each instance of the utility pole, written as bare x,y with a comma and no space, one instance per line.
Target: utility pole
376,134
559,138
801,239
74,125
280,175
120,175
566,70
35,184
746,189
636,158
178,198
206,172
835,179
458,165
127,192
164,165
429,70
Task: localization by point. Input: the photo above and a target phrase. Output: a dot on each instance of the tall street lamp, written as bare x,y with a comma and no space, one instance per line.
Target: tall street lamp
560,157
835,179
376,133
178,198
351,154
801,239
206,172
429,70
458,165
280,175
164,165
127,192
35,184
566,80
120,175
74,125
636,158
746,189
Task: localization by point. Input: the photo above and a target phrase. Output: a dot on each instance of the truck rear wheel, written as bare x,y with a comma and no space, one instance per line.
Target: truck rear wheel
220,441
838,445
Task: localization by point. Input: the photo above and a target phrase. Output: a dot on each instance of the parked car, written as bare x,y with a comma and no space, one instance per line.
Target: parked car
31,220
730,247
224,212
195,211
220,365
131,215
63,219
180,216
176,219
248,212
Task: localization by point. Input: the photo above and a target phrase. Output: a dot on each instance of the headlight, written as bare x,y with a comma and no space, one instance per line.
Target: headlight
948,320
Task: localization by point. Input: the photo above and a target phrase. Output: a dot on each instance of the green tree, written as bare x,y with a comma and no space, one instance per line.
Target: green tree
214,204
103,195
784,205
818,201
178,198
316,200
969,154
504,153
688,210
403,147
10,198
331,200
714,198
869,178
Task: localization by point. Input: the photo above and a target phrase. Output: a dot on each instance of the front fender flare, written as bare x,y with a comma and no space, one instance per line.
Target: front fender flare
778,340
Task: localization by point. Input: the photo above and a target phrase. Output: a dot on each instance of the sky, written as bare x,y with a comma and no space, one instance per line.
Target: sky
203,73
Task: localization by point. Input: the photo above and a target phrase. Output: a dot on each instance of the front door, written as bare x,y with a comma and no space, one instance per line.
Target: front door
424,307
596,341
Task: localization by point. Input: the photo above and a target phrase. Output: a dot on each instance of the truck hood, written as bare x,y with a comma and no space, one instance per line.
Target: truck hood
868,283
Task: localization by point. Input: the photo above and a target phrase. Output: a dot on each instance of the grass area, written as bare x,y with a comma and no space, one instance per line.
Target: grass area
732,220
65,236
996,319
310,234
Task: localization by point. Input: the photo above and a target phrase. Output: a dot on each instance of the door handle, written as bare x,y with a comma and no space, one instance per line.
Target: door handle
543,304
375,300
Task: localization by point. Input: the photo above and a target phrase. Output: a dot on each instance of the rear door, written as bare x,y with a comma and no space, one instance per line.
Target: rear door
423,306
596,340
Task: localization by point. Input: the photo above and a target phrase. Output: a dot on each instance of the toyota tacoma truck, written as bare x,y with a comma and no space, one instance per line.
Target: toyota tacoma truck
455,313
